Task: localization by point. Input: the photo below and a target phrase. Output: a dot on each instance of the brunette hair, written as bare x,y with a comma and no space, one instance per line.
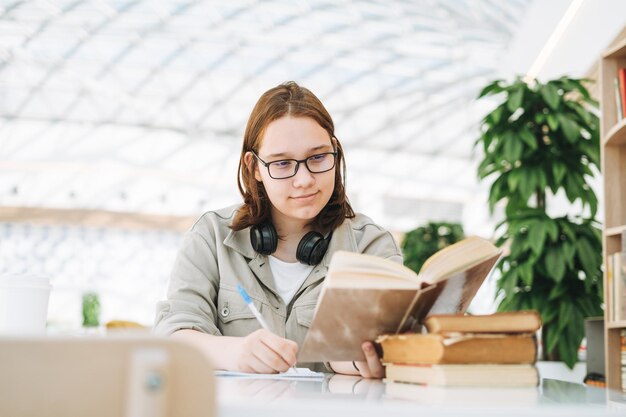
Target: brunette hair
288,99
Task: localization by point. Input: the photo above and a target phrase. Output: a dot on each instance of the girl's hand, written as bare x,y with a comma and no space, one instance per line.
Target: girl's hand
264,352
371,367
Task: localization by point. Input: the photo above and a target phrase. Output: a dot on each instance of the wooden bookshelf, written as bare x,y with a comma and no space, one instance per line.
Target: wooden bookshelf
617,324
613,154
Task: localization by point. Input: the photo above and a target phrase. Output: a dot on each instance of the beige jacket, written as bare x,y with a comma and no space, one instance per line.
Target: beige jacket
213,259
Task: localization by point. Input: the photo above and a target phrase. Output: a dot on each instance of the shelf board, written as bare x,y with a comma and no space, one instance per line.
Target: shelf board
618,51
616,324
614,231
617,134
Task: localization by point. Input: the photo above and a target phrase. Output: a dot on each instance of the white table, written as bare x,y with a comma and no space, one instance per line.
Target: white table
340,395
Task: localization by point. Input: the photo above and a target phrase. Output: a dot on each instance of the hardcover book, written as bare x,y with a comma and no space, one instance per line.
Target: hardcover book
364,296
465,375
461,348
507,322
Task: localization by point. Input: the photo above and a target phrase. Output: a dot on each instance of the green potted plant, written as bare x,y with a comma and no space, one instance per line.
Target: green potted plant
543,139
419,244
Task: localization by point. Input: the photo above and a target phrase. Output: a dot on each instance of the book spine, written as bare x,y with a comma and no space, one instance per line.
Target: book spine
501,349
621,290
619,111
622,89
609,284
623,358
617,286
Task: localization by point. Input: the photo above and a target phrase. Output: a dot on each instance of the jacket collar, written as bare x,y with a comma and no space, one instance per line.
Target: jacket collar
343,239
239,241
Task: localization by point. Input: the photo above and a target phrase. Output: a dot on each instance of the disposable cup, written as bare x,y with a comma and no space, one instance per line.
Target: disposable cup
24,304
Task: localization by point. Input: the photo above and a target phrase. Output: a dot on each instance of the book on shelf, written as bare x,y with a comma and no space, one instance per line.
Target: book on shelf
364,296
478,375
506,322
621,75
609,289
461,348
622,344
462,396
616,281
619,110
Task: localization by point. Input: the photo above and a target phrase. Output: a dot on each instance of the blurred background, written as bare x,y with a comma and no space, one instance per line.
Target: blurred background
121,121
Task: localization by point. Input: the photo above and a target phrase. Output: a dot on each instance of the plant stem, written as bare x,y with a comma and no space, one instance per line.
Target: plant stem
541,199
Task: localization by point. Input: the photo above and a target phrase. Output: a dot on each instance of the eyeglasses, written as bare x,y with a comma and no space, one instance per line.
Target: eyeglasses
287,168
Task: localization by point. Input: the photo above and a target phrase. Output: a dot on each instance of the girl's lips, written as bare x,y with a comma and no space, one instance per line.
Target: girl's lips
304,197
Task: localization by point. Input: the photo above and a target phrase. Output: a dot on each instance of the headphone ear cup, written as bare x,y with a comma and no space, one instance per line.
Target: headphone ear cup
263,239
312,248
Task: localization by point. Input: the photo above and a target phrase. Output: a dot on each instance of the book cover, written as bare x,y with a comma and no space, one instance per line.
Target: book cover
364,296
468,348
464,375
506,322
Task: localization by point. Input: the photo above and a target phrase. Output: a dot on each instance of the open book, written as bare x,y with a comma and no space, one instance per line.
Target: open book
365,296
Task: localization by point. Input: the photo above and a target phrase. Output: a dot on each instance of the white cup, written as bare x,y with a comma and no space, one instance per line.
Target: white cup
24,304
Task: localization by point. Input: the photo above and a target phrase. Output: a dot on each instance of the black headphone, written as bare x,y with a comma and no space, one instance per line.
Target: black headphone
311,248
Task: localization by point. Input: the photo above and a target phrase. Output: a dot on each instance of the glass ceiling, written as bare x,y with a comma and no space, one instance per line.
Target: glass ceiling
140,106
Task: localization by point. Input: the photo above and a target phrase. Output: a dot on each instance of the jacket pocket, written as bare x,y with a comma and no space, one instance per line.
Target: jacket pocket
235,318
304,314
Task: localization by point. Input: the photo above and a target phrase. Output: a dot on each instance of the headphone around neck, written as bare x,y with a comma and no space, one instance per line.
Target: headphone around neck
310,251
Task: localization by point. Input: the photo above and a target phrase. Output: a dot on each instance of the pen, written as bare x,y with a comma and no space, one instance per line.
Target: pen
255,311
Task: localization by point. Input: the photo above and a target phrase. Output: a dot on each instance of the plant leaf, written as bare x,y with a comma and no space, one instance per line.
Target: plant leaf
555,264
513,178
492,88
528,138
537,235
558,170
550,95
515,99
585,254
570,128
553,122
552,229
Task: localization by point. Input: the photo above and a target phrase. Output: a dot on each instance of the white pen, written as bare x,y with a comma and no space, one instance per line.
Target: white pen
255,311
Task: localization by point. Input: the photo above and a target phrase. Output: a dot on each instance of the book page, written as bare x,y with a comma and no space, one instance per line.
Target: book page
460,256
452,295
298,373
369,279
345,264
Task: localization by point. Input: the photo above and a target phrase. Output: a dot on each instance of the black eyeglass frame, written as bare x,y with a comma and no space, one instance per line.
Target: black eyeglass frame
298,162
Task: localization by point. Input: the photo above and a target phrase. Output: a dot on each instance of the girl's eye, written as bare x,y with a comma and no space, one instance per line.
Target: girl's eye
282,164
318,158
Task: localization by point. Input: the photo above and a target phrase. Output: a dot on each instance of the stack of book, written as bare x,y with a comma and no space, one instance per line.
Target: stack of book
497,350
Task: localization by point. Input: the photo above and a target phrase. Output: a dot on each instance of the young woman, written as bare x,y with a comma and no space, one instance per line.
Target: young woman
277,245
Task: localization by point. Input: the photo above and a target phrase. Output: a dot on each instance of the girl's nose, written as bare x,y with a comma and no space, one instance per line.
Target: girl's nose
303,177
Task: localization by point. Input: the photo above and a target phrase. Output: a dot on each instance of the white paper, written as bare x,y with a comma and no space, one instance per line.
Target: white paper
290,374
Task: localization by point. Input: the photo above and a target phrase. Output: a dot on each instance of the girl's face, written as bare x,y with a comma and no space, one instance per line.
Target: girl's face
303,196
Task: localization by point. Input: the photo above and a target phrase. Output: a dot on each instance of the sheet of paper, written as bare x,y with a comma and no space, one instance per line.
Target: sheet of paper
298,373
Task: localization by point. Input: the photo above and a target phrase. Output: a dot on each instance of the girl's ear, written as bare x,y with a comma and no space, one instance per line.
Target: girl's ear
248,159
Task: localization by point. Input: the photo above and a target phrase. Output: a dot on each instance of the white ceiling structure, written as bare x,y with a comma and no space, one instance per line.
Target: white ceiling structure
140,106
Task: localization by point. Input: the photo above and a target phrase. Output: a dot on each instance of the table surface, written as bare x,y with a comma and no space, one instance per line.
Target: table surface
342,395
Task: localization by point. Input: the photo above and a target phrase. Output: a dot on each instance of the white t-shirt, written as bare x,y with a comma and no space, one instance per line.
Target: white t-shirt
288,277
